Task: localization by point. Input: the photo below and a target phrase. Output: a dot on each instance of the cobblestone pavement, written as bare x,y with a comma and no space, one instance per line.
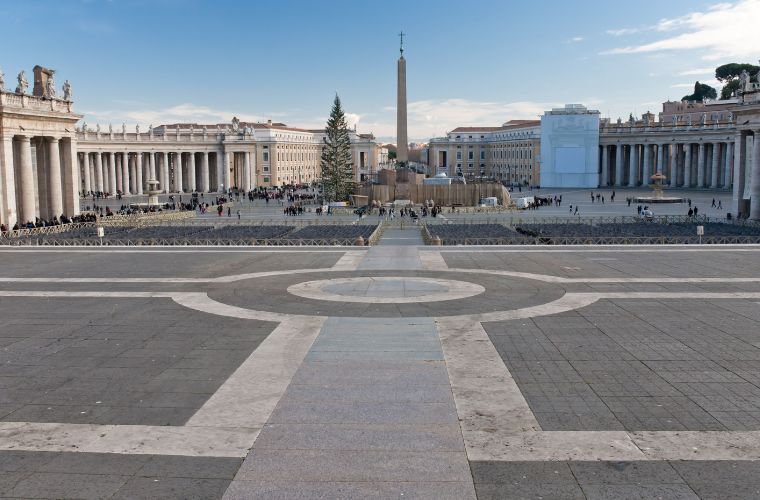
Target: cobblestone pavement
398,371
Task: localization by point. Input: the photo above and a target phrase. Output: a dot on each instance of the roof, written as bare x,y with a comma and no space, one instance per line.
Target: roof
476,129
511,124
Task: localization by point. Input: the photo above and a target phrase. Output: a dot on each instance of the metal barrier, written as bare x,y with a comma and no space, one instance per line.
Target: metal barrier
606,240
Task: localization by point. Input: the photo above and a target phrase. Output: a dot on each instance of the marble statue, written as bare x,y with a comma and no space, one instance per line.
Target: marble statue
84,127
620,121
137,128
67,93
631,120
730,117
97,128
674,120
744,80
703,119
235,124
110,129
150,130
688,120
123,128
50,87
2,79
22,83
646,119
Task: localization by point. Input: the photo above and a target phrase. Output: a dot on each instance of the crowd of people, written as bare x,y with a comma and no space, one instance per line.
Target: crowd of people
54,221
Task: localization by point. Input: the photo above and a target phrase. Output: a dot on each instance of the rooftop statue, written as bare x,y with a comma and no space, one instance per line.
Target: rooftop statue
22,83
235,124
50,87
2,79
703,119
67,92
137,128
97,128
744,80
84,127
110,129
123,128
674,119
150,130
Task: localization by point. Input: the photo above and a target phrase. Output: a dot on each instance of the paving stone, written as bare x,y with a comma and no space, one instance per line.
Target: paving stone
60,485
325,490
171,487
190,467
638,492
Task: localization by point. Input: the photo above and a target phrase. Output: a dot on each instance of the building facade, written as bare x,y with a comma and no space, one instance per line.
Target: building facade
570,147
509,153
38,151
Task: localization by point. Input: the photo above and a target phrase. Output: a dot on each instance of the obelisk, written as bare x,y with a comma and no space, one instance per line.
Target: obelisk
402,147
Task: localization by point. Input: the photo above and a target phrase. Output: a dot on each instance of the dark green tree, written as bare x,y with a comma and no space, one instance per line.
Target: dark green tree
729,75
337,170
701,91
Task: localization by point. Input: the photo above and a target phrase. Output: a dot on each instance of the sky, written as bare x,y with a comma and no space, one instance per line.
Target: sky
468,63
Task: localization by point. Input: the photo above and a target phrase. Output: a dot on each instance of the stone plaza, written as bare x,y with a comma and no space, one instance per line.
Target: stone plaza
391,371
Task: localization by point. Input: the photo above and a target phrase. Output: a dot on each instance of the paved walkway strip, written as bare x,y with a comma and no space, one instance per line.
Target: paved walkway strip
369,413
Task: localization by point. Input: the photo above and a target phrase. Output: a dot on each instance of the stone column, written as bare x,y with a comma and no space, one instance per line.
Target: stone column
687,165
71,181
112,173
247,171
125,173
660,158
26,181
8,213
605,166
715,165
226,170
204,173
740,152
729,165
701,165
86,172
133,172
55,188
191,172
139,173
178,172
152,166
219,170
619,165
646,172
754,210
673,165
99,172
165,187
633,170
119,170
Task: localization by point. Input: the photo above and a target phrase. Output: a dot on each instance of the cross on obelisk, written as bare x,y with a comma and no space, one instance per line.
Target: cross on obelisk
402,42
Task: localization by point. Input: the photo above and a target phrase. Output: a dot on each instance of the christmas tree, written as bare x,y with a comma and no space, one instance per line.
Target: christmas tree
337,170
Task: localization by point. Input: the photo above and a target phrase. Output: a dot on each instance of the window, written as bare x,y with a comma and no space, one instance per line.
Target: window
266,155
482,155
470,155
459,155
266,178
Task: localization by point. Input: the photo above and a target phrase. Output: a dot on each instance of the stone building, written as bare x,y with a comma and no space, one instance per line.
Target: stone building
509,153
38,151
189,157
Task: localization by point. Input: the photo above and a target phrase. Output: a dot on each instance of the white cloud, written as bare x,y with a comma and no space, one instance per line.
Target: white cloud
724,30
434,117
623,31
712,83
185,113
575,39
698,71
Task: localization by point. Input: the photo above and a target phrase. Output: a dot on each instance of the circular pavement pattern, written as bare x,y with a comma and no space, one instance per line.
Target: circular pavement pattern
362,293
385,289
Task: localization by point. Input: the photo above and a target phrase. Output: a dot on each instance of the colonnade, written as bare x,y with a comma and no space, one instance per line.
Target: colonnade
45,183
176,172
700,164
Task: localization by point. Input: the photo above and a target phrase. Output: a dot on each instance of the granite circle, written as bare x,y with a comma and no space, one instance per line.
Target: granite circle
386,289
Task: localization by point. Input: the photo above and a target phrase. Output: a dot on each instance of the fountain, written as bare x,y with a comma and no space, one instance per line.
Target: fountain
658,196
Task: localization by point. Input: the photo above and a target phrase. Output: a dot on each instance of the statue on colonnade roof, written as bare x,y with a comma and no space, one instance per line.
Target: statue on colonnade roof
22,83
2,79
67,92
235,124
